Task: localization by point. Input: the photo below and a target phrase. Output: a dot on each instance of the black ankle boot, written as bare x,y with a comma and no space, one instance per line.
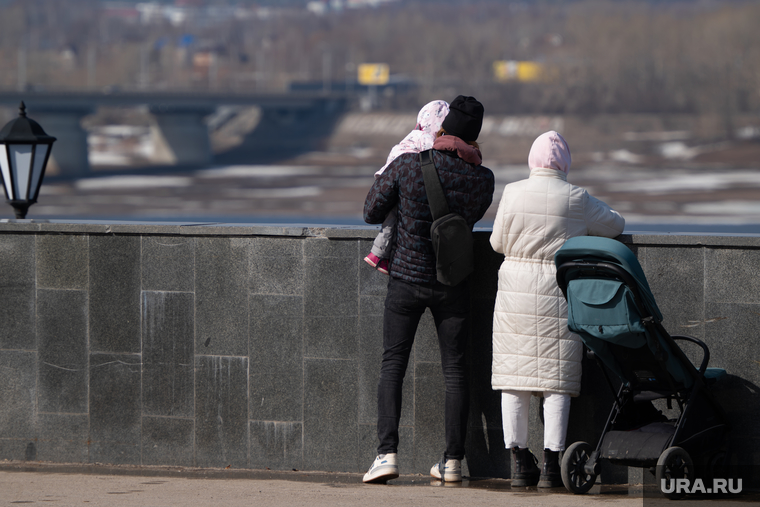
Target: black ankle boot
550,474
524,470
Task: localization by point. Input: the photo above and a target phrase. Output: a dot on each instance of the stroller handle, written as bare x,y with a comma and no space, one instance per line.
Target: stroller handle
705,350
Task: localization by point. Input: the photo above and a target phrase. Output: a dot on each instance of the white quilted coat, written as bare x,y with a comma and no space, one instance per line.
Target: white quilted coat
532,348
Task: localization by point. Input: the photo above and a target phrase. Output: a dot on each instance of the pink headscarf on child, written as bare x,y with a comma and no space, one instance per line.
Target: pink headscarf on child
429,121
550,151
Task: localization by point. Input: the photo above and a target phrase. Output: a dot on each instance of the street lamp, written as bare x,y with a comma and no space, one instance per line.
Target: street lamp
23,158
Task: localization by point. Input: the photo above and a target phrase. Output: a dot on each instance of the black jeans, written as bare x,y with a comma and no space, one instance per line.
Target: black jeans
404,305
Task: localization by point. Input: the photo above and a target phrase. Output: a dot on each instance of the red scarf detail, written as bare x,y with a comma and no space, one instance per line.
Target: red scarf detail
469,154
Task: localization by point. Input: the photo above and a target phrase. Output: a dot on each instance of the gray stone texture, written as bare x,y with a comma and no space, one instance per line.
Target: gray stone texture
245,346
276,445
330,415
18,376
276,358
277,266
429,394
62,261
221,411
331,278
63,438
167,378
221,296
734,275
167,441
114,294
168,264
115,408
62,350
17,292
676,278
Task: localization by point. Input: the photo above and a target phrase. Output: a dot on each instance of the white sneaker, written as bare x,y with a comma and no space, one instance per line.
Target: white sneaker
452,472
383,469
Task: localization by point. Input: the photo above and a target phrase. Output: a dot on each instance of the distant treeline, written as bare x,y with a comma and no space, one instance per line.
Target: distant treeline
599,56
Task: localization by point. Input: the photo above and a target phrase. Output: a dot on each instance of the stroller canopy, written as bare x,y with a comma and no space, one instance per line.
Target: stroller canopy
609,250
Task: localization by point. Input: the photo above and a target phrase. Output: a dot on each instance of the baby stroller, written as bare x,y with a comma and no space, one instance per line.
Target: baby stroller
612,308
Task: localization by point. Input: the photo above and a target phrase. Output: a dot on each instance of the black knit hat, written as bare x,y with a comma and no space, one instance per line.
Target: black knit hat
464,119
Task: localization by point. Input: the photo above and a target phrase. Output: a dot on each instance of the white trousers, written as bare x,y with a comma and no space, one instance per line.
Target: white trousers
515,407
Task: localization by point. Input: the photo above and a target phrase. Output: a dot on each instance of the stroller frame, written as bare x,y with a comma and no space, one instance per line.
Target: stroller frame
701,425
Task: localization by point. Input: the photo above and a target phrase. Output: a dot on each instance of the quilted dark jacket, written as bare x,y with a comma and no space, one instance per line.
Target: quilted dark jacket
469,192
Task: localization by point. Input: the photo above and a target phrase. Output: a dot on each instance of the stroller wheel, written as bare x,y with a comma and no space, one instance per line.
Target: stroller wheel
674,463
574,477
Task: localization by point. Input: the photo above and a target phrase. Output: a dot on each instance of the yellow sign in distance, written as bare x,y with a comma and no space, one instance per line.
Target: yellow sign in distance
374,73
512,70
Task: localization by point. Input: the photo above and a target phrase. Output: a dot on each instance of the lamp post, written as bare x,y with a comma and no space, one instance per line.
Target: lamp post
23,157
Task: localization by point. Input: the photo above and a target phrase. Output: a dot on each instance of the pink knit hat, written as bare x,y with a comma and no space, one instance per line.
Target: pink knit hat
550,150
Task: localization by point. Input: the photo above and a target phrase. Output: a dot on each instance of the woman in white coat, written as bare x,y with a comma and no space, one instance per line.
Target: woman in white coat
533,350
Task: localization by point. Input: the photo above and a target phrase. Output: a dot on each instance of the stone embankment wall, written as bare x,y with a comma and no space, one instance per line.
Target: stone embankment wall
259,347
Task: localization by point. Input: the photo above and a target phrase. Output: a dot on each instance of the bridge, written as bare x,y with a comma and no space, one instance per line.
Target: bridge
180,129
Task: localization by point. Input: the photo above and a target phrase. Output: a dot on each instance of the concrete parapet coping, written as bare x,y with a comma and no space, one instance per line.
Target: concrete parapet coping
326,231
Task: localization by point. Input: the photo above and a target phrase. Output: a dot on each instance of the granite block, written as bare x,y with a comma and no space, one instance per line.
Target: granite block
676,278
372,306
274,305
17,252
63,438
331,287
167,441
221,411
336,248
115,294
331,337
734,276
276,376
18,397
429,397
168,354
485,445
168,263
480,346
371,281
276,445
733,339
17,313
62,350
484,448
330,422
485,279
370,358
536,426
740,399
277,266
426,340
16,449
62,261
17,292
115,408
221,296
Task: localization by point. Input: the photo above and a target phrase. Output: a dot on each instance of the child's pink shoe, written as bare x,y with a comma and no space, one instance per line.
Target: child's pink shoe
372,259
382,266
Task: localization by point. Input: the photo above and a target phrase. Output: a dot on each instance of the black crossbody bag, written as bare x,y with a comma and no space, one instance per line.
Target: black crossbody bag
450,232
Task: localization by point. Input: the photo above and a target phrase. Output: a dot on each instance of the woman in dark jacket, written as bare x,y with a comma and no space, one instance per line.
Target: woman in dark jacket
413,287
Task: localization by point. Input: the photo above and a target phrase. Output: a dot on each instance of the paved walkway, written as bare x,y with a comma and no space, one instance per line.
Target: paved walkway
156,486
92,485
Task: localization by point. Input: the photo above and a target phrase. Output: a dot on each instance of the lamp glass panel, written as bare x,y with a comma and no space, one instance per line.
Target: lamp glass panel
40,151
22,160
6,171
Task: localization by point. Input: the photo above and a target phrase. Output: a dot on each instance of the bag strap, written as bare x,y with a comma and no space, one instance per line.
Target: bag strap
437,200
